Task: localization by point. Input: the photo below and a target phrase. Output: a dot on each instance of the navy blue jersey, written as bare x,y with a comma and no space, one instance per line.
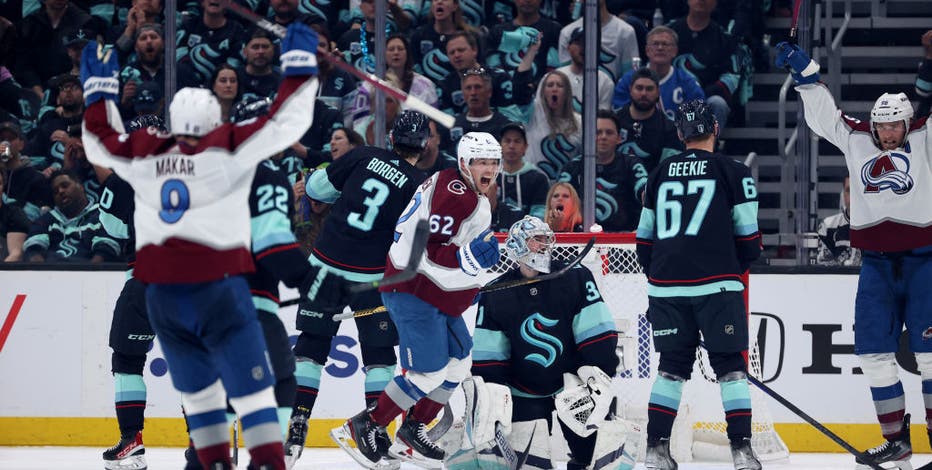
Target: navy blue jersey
369,187
698,230
525,189
509,94
618,187
649,140
116,215
58,238
201,49
528,336
274,248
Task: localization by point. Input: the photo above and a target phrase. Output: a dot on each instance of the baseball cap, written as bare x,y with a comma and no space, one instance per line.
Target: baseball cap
148,96
77,38
514,126
578,35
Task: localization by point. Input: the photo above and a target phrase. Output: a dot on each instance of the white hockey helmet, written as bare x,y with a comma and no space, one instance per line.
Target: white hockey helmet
194,112
517,248
475,146
891,107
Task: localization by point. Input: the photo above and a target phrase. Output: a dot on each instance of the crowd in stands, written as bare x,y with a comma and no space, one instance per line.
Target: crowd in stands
509,67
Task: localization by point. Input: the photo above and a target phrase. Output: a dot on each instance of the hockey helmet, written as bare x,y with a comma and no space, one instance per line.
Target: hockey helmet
891,107
694,118
145,121
410,131
194,112
476,146
517,245
250,108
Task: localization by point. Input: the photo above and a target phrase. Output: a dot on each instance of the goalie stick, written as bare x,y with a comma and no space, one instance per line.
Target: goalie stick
413,102
489,288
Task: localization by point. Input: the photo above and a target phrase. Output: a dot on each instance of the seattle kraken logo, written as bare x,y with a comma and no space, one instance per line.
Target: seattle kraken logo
889,170
532,334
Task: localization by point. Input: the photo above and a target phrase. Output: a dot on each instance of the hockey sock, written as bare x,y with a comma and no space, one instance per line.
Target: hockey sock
664,402
130,402
261,431
400,394
205,414
927,400
377,377
890,404
736,401
426,409
307,373
284,398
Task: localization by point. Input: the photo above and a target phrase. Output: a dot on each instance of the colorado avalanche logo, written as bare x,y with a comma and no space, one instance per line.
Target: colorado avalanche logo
889,170
456,187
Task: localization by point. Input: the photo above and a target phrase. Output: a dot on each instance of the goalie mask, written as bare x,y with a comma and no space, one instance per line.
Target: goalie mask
891,108
530,241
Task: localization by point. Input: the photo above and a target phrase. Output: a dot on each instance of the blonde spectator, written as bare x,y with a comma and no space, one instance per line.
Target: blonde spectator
562,213
554,133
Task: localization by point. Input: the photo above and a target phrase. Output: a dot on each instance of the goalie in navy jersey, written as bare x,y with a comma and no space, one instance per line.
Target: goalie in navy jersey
369,188
697,236
434,340
548,345
193,239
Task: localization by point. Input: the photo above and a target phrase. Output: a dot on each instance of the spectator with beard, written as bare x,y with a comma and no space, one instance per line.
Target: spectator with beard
147,66
677,85
259,78
206,42
476,85
619,179
71,231
47,146
25,186
126,38
40,52
554,133
646,132
574,71
337,88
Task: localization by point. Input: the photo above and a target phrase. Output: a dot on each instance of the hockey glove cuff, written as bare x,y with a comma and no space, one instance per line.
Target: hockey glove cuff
481,253
299,50
99,72
803,69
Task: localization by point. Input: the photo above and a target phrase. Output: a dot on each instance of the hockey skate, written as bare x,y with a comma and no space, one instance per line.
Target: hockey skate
658,455
743,455
371,440
297,435
413,444
891,454
128,454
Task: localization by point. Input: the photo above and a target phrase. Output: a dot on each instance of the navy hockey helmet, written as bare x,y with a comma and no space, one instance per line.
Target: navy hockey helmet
249,108
694,118
411,130
145,121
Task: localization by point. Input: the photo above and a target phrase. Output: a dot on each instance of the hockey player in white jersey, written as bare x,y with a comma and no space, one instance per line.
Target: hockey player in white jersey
193,239
888,159
434,342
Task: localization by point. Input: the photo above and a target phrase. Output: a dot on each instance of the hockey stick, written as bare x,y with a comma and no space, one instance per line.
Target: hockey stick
797,4
441,427
824,430
489,288
236,440
412,102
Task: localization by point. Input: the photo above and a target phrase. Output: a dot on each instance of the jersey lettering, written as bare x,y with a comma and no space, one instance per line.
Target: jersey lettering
442,224
378,194
670,210
272,198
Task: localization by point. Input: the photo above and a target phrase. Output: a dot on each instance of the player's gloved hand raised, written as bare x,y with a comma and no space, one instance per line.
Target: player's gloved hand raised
803,69
299,50
481,253
99,71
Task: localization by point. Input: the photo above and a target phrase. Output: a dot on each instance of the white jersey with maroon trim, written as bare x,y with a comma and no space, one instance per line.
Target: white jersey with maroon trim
457,215
192,216
890,190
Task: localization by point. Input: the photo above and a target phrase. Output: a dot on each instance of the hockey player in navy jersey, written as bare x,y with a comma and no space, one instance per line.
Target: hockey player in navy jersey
553,339
193,239
434,341
890,161
697,236
368,187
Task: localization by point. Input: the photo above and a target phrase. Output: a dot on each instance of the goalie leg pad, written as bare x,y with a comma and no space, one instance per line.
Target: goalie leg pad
617,445
535,437
486,404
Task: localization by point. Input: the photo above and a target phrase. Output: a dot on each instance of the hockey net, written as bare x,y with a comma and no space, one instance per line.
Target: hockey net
699,431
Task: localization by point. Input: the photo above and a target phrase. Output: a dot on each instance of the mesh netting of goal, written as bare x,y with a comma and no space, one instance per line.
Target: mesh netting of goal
699,431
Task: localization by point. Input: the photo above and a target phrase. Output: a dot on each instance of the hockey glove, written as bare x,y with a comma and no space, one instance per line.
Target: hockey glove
518,40
299,50
99,71
803,69
481,253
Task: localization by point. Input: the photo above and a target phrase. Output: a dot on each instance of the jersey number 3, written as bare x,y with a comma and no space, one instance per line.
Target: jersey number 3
670,210
378,193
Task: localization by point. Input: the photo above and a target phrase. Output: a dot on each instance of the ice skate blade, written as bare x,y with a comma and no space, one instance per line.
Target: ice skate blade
343,438
896,465
292,458
402,451
133,462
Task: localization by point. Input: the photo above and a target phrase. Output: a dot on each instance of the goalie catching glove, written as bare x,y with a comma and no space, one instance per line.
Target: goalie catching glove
585,400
